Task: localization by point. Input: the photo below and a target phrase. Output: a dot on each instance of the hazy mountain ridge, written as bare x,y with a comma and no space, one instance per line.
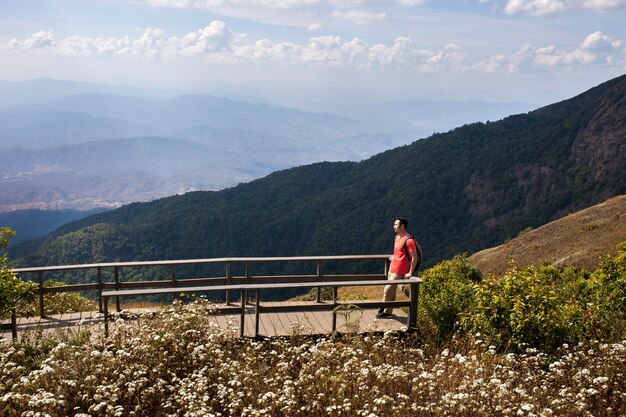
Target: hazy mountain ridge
108,171
265,138
45,128
464,190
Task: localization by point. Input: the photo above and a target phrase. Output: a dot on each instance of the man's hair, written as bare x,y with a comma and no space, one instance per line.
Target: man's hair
403,221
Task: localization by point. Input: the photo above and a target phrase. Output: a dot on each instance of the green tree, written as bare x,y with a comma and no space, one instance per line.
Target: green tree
13,291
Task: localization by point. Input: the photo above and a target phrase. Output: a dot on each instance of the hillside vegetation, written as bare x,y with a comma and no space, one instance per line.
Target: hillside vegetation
462,191
578,240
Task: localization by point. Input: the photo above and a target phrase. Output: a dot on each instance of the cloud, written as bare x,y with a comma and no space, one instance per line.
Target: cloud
43,39
596,49
359,17
212,4
599,42
534,7
603,5
314,27
545,7
152,44
211,39
410,2
216,43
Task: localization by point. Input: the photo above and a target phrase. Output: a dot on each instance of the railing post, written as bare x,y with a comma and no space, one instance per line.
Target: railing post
106,317
173,279
319,278
257,303
42,312
248,280
228,281
243,312
414,300
334,308
99,290
117,288
14,323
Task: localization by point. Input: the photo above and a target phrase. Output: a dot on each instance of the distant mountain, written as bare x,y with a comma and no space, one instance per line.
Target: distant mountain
579,239
41,129
253,138
31,224
464,190
15,93
188,110
107,172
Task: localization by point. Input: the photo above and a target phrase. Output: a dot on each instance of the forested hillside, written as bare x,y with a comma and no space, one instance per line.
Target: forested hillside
462,191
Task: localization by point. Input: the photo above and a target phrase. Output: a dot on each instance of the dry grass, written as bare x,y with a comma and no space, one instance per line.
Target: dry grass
578,240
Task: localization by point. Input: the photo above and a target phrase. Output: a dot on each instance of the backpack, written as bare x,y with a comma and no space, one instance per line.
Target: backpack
418,249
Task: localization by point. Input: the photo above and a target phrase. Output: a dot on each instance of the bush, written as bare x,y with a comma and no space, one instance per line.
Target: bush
609,296
542,307
448,291
14,292
545,307
59,303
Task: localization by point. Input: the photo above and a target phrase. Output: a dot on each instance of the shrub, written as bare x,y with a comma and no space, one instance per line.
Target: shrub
13,291
542,307
59,303
609,296
448,291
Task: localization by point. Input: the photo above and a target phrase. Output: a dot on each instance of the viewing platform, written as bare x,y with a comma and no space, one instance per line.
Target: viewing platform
244,309
271,324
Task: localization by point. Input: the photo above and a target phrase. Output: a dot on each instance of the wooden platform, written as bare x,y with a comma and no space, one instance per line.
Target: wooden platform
271,324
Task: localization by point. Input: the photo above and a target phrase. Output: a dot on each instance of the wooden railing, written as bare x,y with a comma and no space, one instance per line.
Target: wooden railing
229,282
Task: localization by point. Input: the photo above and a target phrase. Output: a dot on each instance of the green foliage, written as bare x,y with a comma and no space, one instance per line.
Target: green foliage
541,307
13,291
448,291
59,303
609,295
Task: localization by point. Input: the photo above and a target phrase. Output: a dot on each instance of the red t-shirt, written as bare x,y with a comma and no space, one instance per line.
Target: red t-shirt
401,262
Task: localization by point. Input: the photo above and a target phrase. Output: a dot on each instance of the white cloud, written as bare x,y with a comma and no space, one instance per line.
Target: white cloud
314,27
596,49
358,16
534,7
599,42
211,39
410,2
43,39
544,7
603,5
212,4
216,43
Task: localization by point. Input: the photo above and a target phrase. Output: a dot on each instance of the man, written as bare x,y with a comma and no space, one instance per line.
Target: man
404,260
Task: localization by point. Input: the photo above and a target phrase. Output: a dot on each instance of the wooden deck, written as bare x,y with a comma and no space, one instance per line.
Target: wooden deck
271,324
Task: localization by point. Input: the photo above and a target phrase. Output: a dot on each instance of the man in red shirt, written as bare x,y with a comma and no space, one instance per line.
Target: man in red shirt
403,263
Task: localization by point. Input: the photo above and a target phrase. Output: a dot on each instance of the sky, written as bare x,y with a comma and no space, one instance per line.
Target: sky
533,51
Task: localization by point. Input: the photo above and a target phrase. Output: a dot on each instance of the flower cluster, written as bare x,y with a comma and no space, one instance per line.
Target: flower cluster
178,363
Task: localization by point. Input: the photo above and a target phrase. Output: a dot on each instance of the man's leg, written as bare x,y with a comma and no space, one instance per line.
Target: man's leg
389,293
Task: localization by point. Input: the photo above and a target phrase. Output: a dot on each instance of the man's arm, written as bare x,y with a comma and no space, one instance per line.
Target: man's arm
413,264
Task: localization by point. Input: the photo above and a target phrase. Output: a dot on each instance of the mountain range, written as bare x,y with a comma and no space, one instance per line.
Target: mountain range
465,190
58,133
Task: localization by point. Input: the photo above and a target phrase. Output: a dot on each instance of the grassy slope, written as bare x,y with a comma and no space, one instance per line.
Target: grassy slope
578,240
